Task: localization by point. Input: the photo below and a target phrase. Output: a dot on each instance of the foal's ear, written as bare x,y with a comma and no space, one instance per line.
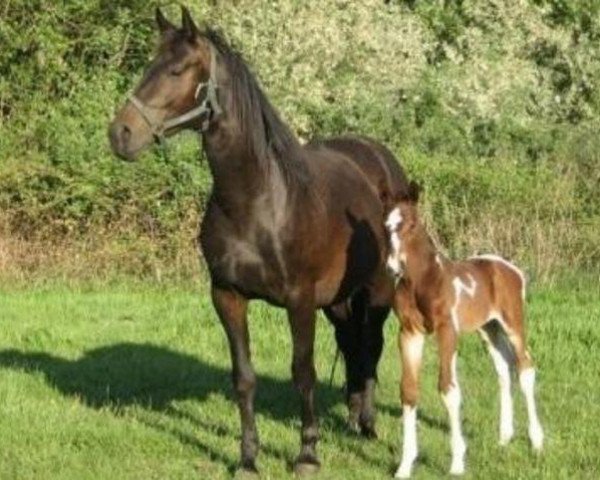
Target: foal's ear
163,24
410,194
187,23
414,190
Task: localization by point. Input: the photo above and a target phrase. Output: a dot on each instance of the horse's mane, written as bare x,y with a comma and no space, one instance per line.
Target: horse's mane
266,135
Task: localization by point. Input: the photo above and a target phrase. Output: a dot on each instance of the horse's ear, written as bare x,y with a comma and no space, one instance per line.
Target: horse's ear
414,190
187,23
163,24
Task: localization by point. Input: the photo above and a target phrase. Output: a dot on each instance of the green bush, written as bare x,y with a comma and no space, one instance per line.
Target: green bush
494,106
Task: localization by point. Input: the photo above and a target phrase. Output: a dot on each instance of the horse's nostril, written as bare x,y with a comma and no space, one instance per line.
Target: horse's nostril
125,133
120,136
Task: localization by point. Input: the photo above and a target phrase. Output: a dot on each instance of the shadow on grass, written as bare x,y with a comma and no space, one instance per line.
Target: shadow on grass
152,377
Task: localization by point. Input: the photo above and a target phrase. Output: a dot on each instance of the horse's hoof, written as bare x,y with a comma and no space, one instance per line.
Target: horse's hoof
368,432
367,427
246,473
304,469
353,427
306,466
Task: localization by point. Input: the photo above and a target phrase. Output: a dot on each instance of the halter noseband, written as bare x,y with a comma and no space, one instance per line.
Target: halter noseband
209,105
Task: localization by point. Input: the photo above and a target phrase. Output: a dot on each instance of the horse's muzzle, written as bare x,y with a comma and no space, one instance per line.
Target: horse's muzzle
119,135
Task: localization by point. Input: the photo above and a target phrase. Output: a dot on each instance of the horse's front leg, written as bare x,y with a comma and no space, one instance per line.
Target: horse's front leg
302,323
232,310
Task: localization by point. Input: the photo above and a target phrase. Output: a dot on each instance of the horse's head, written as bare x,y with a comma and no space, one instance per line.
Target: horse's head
178,90
401,223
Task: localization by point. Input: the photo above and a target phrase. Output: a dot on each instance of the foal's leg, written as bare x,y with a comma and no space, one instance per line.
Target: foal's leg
302,323
450,390
410,342
411,348
503,358
232,309
515,331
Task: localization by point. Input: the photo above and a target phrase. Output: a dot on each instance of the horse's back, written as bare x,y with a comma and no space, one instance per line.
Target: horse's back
354,178
375,161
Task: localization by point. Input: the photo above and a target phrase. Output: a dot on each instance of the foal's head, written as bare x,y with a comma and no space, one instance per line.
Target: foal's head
179,80
401,223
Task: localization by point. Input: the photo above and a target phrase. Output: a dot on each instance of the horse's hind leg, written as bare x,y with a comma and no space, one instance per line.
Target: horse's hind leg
377,307
372,348
347,322
232,311
359,336
514,327
503,357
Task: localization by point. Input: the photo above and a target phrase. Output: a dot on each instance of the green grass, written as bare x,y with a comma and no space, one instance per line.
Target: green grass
133,382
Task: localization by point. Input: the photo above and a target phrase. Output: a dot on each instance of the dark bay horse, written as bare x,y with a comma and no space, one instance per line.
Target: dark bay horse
300,226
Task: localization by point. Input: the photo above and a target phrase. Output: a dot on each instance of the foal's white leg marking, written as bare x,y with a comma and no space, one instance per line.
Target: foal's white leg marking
497,258
414,352
536,434
459,287
452,400
409,448
503,371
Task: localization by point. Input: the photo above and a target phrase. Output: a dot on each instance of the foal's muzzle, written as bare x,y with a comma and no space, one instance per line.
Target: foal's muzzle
394,267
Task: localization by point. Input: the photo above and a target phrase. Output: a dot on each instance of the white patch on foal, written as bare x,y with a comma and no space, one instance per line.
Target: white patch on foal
394,219
452,400
459,287
392,223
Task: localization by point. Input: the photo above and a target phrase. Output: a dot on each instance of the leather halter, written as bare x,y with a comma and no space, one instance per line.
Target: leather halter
209,105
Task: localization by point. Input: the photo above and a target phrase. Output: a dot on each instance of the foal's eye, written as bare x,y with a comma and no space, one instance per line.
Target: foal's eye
177,71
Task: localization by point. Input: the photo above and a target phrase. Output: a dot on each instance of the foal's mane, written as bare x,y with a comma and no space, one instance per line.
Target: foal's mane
266,135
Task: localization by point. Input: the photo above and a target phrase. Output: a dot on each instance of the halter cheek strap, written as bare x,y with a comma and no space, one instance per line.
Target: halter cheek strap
209,105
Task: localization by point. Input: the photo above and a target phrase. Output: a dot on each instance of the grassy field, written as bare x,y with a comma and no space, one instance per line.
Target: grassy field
133,382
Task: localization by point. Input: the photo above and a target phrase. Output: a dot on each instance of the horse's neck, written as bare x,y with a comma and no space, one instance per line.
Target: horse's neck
424,265
240,181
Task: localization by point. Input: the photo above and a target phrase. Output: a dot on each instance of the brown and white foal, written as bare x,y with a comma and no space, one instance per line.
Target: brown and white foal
446,298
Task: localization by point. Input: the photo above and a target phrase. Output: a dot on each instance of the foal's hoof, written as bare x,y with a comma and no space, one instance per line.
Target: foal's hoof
306,466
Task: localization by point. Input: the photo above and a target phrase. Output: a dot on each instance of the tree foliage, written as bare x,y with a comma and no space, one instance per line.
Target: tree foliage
503,93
